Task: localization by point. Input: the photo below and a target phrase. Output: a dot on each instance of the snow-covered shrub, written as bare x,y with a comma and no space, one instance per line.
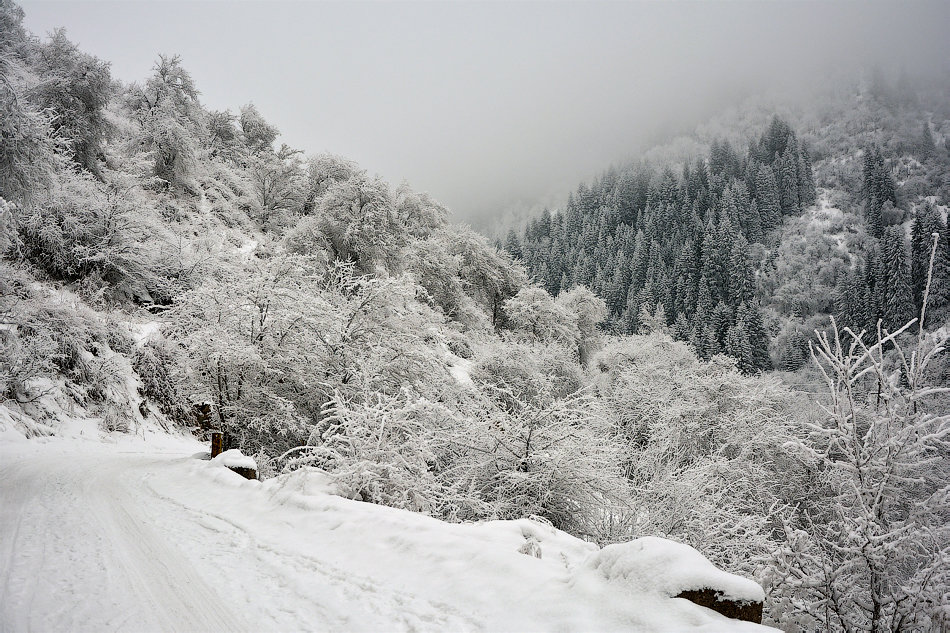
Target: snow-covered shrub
271,344
25,353
27,151
869,548
435,268
84,228
550,456
703,447
517,372
159,364
534,313
386,448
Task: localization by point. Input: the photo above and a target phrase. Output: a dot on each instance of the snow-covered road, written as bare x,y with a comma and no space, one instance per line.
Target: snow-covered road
83,548
90,542
121,538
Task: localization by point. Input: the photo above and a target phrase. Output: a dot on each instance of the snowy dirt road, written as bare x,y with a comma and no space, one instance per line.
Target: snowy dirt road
96,537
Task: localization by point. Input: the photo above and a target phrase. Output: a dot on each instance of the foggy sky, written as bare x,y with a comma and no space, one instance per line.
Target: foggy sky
487,104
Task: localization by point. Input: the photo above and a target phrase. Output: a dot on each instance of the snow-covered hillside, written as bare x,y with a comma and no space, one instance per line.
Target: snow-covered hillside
137,533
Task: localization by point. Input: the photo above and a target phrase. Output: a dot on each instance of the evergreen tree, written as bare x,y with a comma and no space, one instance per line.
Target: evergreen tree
709,342
939,310
766,191
875,218
741,277
897,301
749,318
806,180
926,146
722,318
737,345
681,329
513,244
788,181
794,352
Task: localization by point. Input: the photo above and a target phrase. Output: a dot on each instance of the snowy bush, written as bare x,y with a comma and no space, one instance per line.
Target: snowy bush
870,548
386,449
159,366
703,446
553,457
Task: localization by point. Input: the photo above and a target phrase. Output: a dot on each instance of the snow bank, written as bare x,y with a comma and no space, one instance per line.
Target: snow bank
656,565
477,576
143,332
461,370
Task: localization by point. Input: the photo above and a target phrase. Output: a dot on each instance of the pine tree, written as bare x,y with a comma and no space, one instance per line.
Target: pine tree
788,182
681,329
874,217
737,345
766,191
741,277
806,180
709,342
513,244
713,272
897,306
753,223
749,318
851,298
926,145
722,318
794,352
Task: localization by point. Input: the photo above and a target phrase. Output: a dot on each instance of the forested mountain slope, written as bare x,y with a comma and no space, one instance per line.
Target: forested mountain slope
739,247
160,260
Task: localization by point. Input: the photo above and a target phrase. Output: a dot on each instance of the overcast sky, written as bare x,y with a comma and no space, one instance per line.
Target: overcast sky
485,104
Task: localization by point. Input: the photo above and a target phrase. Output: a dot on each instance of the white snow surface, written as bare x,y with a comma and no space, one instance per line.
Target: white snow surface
143,332
135,533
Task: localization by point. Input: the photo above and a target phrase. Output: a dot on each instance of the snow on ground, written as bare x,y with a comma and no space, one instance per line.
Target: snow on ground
248,247
141,535
461,370
142,333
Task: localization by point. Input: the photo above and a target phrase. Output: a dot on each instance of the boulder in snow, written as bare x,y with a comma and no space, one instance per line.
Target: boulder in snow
737,609
237,461
674,570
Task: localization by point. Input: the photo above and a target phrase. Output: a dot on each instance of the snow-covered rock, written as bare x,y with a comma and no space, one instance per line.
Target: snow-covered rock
656,565
234,458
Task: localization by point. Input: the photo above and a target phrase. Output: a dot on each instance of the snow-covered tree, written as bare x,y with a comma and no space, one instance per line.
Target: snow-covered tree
534,312
590,311
871,551
171,121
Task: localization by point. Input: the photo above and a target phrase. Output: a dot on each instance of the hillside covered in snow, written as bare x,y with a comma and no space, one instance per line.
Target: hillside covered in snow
563,432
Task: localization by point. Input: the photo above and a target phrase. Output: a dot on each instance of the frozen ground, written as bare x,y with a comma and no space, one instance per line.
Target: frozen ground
139,535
